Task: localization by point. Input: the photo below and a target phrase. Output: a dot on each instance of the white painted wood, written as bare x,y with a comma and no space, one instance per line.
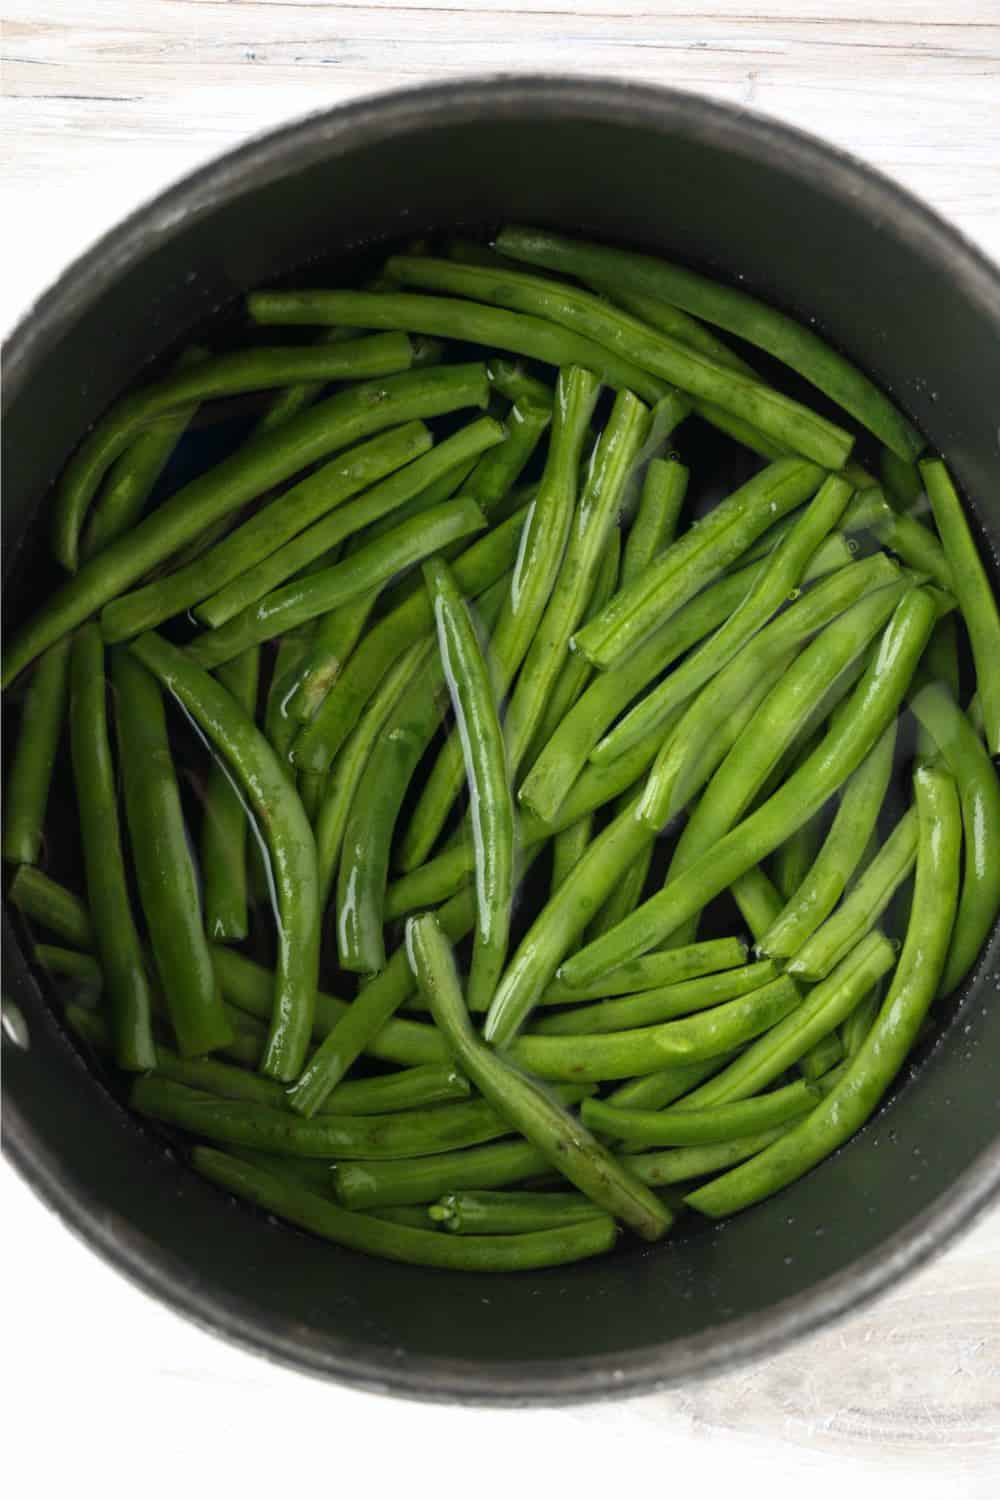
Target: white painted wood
106,102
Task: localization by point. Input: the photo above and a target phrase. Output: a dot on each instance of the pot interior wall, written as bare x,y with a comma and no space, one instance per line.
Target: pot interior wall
727,194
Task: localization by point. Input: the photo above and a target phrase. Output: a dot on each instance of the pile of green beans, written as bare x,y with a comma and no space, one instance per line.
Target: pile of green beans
492,838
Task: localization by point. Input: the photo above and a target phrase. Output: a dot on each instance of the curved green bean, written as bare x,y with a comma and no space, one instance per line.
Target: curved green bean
870,1072
972,590
470,322
226,824
423,1247
27,791
262,462
690,370
650,1007
165,873
725,307
872,706
979,794
283,823
498,1212
43,900
639,1128
533,1111
116,939
863,906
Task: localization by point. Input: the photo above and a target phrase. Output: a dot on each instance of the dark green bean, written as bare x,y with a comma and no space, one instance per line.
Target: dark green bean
671,967
511,379
385,1184
901,479
655,526
226,822
872,706
470,322
728,308
639,1128
510,1252
260,463
650,1007
972,589
283,823
116,938
689,369
914,984
979,794
533,1111
496,473
69,963
165,873
27,792
41,899
509,1213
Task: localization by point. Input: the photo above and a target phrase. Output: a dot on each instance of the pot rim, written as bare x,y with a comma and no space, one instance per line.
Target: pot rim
345,128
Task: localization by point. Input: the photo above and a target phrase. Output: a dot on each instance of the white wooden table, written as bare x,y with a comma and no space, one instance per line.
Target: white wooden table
106,101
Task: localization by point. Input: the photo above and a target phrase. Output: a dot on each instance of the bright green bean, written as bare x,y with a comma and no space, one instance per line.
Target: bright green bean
793,859
655,1090
470,322
305,599
725,307
41,899
872,706
262,462
872,1069
533,1111
491,805
509,1213
855,1027
509,1252
979,794
568,848
662,1168
226,823
650,1007
282,820
824,1055
498,471
27,792
826,880
689,369
116,938
639,1128
655,526
972,589
862,907
701,554
906,536
673,966
511,379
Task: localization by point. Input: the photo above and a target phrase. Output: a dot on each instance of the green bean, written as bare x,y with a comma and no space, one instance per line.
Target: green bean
646,1049
509,1213
564,756
510,1252
795,857
671,967
134,474
498,471
511,379
979,794
385,1184
689,369
41,899
655,1090
855,1027
478,567
725,307
165,873
911,541
301,600
972,589
863,906
669,319
470,322
639,1128
491,806
824,883
873,1068
655,525
592,522
71,964
260,463
831,1002
758,899
781,575
568,848
862,596
650,1007
286,830
662,1168
222,375
540,557
700,555
824,1055
872,706
416,1217
901,479
225,822
294,398
116,938
279,727
375,505
561,922
243,1122
30,775
533,1111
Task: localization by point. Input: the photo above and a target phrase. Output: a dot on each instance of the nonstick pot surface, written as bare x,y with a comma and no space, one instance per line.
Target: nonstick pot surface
749,200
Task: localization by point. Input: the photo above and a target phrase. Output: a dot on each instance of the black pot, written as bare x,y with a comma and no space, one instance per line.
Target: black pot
811,231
